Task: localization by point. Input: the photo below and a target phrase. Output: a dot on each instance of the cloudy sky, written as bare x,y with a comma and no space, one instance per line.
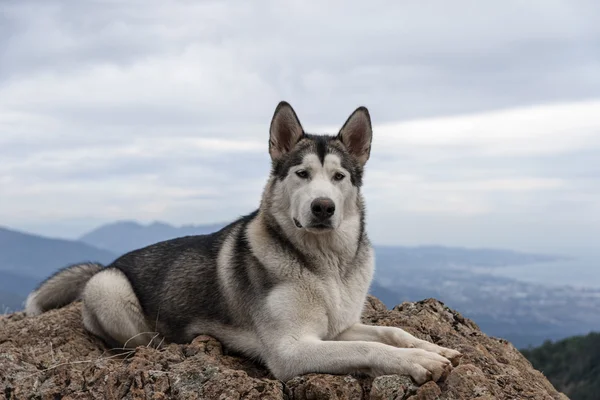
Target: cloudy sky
486,114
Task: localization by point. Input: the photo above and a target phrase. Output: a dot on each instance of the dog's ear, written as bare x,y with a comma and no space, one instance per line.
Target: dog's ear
356,134
285,130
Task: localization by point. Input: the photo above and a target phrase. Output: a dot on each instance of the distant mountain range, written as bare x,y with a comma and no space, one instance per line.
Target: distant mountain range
123,236
521,312
39,256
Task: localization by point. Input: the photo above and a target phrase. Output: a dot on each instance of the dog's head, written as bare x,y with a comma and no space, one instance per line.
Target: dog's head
316,178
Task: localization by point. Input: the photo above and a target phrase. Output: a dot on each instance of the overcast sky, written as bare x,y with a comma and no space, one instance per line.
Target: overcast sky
486,114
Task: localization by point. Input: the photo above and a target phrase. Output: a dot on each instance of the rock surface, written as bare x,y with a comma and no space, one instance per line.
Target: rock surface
51,356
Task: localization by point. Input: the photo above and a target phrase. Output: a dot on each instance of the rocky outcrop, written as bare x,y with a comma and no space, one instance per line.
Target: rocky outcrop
51,356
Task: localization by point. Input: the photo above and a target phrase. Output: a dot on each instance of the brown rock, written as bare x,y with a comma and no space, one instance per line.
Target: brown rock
429,391
392,387
52,356
324,387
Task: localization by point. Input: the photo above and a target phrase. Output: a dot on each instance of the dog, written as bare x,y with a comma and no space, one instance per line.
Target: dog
285,285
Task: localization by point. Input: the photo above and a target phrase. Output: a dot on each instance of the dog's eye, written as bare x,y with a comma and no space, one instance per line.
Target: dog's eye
339,176
302,174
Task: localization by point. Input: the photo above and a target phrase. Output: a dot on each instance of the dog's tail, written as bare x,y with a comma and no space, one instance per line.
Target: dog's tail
62,288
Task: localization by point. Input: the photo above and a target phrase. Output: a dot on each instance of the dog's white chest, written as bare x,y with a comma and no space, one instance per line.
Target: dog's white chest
344,297
344,304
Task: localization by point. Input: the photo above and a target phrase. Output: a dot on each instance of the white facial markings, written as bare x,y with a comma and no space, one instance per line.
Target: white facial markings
333,164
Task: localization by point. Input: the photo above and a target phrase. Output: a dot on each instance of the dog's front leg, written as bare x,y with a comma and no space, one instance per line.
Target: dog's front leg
395,337
292,327
292,356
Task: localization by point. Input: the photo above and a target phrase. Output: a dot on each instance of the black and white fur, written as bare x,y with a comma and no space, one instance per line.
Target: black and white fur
285,284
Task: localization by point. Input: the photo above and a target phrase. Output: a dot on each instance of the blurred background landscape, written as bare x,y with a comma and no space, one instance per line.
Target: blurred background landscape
126,123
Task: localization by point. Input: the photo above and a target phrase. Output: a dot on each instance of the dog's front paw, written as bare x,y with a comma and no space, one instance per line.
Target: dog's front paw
424,365
452,355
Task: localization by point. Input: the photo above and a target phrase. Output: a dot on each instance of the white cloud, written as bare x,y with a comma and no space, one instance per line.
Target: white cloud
540,129
536,130
393,180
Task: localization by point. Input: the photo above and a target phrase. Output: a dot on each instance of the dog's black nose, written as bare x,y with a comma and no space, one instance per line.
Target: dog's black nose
322,208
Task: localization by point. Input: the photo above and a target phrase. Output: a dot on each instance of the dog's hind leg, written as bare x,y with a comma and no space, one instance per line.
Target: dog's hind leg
112,311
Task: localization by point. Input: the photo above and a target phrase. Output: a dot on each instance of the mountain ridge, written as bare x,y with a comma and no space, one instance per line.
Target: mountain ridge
16,253
123,236
572,364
